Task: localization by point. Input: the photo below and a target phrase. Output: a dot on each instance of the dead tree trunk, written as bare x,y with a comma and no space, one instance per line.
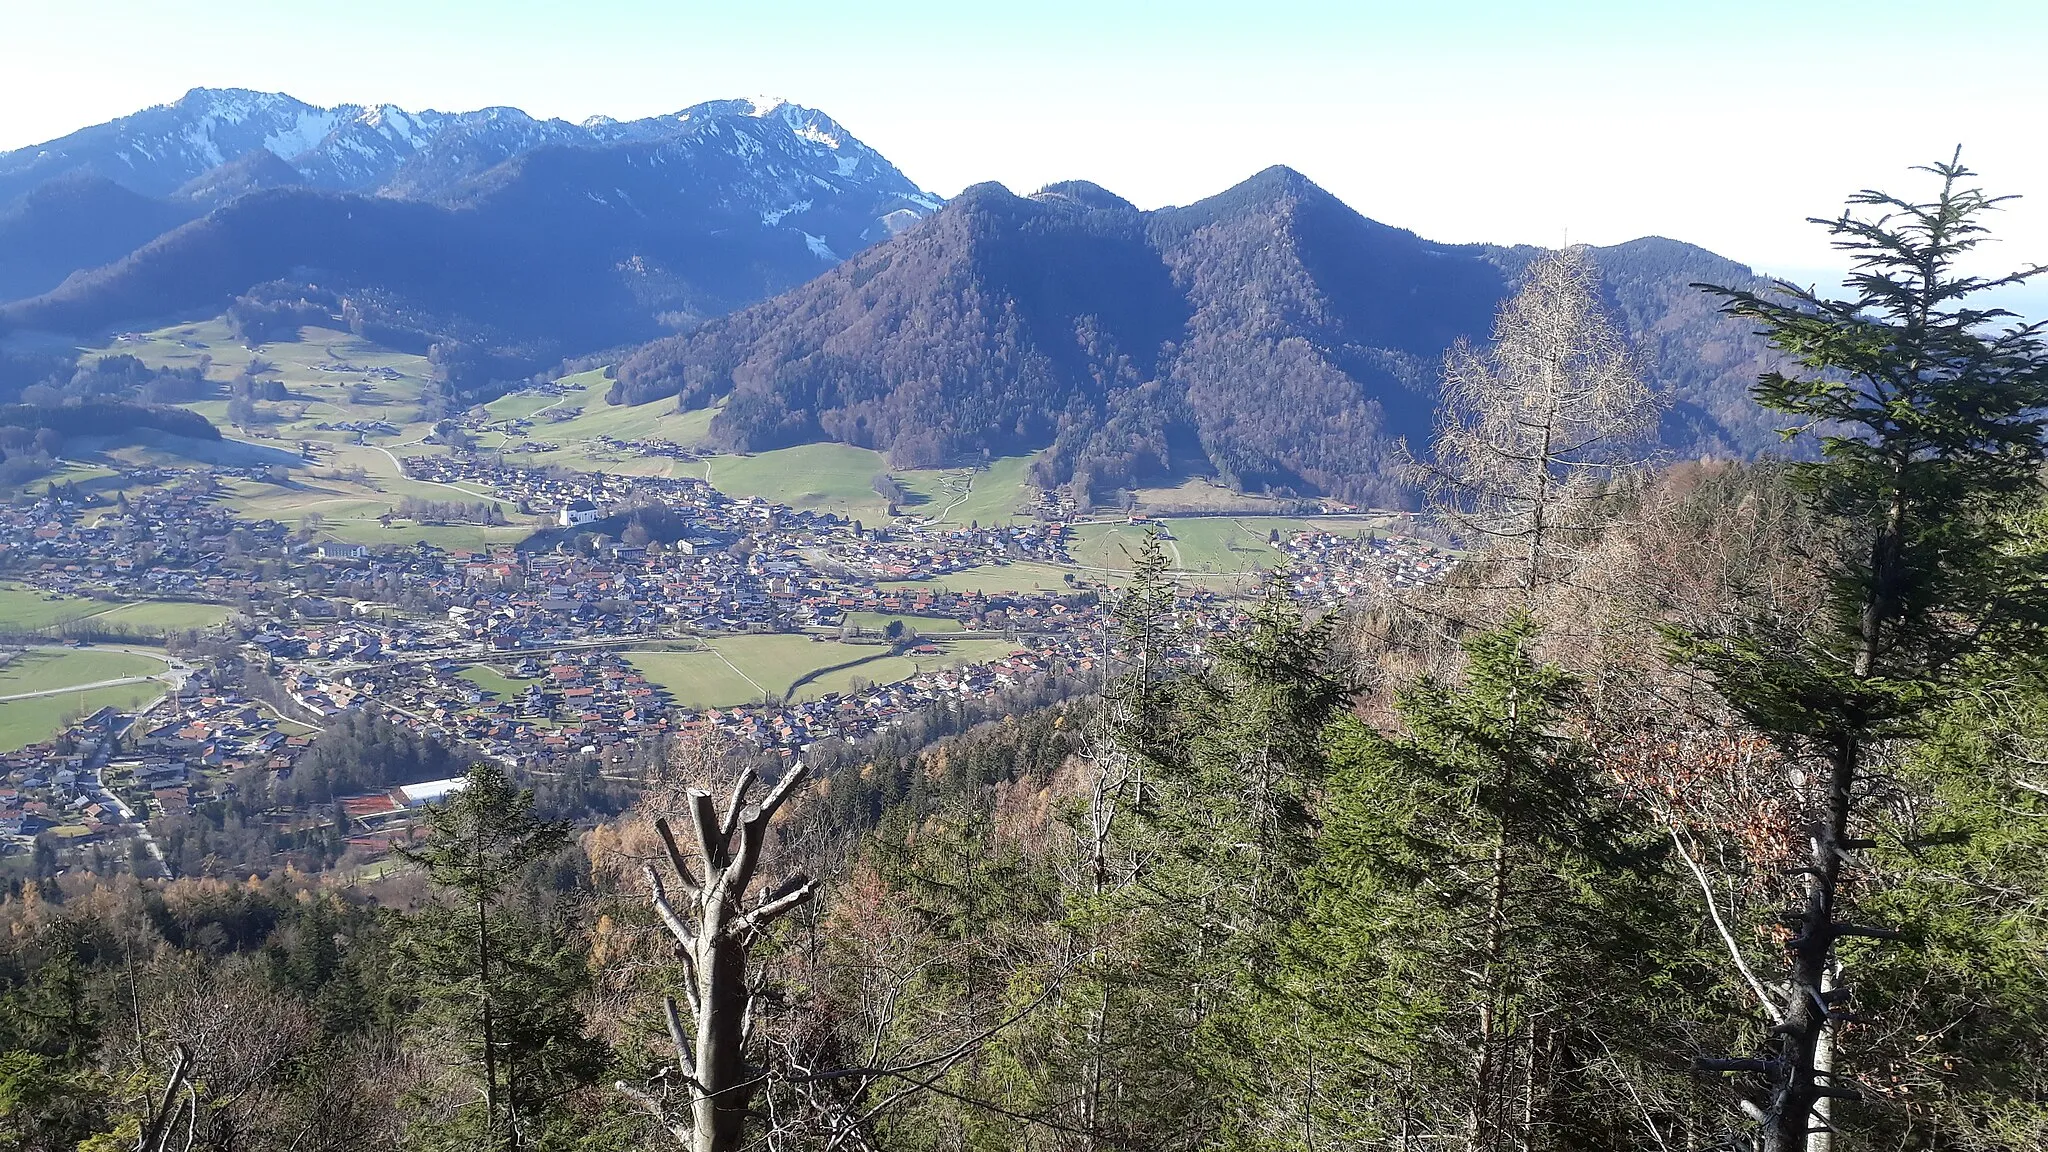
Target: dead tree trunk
178,1103
714,930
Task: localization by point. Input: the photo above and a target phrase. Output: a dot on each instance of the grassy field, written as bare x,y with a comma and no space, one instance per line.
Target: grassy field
158,617
697,679
992,578
1199,494
742,669
349,509
495,682
24,722
39,669
88,477
997,494
577,436
25,609
890,669
1219,545
923,625
318,371
815,477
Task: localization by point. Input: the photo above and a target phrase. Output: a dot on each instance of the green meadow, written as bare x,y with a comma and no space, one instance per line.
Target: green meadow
740,669
25,722
41,669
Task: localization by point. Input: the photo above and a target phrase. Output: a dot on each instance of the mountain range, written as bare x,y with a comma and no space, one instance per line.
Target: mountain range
754,254
490,227
1270,336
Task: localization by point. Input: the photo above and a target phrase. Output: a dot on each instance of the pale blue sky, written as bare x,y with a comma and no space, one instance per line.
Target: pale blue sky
1723,123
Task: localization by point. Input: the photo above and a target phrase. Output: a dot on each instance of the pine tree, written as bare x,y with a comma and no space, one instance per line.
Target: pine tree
1225,822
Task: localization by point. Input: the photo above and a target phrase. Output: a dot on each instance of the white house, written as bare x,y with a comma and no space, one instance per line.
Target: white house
577,513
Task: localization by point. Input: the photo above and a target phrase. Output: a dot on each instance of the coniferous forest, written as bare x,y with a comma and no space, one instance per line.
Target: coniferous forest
1702,807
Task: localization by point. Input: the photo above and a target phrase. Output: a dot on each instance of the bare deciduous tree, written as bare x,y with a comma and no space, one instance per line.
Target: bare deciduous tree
1532,427
714,931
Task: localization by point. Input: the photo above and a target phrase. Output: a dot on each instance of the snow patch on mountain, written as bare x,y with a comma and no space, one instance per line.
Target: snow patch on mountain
774,216
310,127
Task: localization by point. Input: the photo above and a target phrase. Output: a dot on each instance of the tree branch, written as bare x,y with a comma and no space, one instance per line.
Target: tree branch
704,814
776,906
736,804
676,927
1699,874
675,855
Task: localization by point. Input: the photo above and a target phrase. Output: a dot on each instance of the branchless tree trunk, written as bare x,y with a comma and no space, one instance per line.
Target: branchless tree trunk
714,930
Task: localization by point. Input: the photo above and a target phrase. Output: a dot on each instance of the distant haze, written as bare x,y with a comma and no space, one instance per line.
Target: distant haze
1725,125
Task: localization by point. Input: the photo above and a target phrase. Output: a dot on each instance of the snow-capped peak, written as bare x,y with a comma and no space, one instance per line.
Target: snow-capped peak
794,151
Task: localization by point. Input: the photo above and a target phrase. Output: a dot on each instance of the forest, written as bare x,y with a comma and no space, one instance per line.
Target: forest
1702,808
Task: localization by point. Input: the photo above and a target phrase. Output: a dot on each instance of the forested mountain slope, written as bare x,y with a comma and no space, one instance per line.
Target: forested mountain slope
1270,335
74,222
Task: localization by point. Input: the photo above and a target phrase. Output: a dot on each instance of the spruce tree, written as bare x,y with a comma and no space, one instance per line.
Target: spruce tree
1927,406
497,973
1473,932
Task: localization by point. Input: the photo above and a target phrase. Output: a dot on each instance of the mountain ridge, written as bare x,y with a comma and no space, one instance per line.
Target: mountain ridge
382,149
1269,335
615,232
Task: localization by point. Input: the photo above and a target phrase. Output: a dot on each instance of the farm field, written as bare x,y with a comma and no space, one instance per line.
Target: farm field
158,617
90,477
992,578
39,669
349,509
24,722
696,679
739,669
890,669
28,610
577,436
318,371
1200,494
998,494
1220,545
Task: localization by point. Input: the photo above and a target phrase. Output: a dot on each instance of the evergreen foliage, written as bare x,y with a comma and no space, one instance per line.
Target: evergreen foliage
1929,411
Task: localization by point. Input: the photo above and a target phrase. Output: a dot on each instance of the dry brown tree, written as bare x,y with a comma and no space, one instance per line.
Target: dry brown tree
1532,428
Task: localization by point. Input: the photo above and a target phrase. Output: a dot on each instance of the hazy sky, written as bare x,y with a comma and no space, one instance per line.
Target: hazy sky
1722,123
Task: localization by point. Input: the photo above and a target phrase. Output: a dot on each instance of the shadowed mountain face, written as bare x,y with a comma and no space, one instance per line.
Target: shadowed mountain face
74,222
1268,335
